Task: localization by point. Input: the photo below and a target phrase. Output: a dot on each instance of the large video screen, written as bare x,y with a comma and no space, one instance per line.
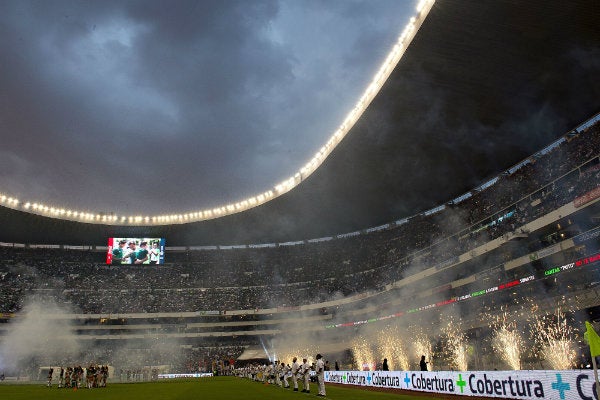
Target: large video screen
135,251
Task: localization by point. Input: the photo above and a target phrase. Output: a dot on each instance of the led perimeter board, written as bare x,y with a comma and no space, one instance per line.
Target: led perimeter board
135,251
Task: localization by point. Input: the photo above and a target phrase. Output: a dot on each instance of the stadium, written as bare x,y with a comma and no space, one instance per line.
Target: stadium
476,265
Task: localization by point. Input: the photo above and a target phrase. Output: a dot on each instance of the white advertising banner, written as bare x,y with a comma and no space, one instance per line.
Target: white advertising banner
559,385
190,375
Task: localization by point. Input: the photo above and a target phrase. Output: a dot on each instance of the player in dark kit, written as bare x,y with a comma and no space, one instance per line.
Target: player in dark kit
131,252
90,376
50,373
117,253
141,256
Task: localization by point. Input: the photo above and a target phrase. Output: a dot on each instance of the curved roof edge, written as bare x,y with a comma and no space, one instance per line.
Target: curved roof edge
385,70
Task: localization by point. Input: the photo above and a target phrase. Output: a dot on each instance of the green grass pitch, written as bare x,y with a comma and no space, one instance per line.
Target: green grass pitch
216,388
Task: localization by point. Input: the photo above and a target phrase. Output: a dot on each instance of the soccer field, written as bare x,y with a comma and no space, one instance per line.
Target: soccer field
216,388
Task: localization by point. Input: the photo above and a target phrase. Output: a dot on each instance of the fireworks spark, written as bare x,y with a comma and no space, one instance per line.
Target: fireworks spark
555,339
391,346
422,346
456,345
507,341
363,354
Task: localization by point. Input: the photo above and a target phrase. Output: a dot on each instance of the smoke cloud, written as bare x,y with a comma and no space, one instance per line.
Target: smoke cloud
41,334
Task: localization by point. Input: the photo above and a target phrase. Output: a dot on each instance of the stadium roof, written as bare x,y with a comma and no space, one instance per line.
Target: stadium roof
482,86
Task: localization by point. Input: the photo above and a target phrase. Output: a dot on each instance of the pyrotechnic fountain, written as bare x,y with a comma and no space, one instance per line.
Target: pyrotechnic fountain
391,346
555,340
422,346
456,345
507,341
363,354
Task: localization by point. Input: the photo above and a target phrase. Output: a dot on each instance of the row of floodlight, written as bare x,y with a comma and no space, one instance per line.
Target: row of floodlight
42,209
369,94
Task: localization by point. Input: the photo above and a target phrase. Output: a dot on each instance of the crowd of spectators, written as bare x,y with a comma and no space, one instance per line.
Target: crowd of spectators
312,272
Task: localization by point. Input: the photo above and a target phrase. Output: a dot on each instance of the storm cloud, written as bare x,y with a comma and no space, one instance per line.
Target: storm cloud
149,107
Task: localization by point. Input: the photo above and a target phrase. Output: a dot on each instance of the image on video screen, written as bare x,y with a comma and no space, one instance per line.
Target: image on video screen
135,251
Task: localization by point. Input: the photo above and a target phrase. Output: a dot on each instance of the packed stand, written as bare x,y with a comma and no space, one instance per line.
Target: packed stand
312,272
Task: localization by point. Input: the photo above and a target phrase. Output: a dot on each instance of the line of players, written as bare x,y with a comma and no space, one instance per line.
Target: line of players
279,374
73,377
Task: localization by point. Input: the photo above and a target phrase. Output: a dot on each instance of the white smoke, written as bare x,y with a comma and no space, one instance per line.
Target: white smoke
43,332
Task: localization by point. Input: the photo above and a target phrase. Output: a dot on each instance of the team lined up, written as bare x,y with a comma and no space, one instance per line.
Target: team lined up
94,376
279,373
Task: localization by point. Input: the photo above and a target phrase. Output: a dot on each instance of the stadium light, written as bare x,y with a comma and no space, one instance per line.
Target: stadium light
423,7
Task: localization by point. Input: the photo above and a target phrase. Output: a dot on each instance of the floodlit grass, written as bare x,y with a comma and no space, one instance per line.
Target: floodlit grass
217,388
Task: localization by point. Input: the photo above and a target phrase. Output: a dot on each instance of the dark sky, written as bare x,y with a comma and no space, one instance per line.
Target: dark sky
152,107
192,107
